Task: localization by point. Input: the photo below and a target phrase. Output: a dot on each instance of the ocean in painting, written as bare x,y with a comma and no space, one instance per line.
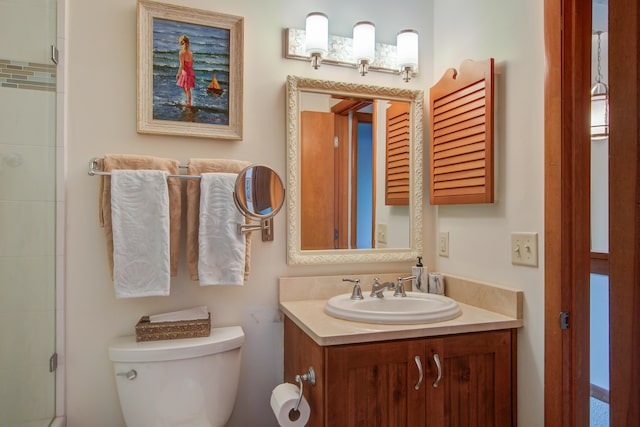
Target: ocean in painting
210,49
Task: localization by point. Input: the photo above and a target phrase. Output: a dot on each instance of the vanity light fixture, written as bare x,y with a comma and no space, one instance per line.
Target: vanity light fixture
362,51
364,45
317,37
407,42
599,102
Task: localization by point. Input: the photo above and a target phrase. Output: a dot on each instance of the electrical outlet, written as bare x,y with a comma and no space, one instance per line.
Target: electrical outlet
524,249
443,244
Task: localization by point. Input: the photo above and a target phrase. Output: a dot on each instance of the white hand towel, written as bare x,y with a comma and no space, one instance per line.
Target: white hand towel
221,247
140,218
195,313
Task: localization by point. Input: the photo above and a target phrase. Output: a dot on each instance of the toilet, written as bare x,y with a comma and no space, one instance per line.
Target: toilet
187,382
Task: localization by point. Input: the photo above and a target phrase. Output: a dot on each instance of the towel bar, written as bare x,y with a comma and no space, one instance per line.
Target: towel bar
266,221
95,170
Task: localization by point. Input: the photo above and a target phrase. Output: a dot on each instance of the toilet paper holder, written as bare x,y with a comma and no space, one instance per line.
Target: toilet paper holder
300,379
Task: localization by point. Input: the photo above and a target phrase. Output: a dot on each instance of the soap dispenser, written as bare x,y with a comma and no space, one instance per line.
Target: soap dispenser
420,283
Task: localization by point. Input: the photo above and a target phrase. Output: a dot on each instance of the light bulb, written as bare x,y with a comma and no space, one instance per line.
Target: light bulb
364,45
407,45
317,37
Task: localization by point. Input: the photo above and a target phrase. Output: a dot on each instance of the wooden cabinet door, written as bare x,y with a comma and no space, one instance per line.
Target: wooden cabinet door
371,385
475,384
300,353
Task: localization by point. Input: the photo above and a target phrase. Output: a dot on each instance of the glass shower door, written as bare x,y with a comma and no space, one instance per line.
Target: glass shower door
27,212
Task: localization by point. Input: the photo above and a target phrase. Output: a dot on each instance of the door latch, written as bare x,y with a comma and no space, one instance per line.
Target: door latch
564,320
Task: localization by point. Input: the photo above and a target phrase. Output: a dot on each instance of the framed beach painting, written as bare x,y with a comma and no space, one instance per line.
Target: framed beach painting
189,72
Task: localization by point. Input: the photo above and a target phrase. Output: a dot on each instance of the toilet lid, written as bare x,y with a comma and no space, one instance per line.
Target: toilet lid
126,349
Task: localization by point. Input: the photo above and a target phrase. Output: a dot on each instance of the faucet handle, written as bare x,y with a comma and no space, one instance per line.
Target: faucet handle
357,292
400,289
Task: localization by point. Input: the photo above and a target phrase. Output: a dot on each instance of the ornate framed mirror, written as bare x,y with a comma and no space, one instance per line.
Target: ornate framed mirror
354,172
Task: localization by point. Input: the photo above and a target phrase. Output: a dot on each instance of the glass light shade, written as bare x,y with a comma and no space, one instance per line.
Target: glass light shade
407,45
364,41
599,111
317,33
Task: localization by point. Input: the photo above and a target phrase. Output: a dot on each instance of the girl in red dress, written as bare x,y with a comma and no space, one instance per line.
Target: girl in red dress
186,77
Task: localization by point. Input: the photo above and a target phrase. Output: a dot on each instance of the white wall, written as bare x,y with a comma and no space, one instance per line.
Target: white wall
479,235
101,114
101,111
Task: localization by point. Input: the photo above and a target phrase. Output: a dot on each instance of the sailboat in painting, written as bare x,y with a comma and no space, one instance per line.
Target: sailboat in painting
214,87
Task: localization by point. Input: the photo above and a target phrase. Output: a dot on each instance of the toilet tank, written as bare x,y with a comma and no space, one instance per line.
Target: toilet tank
190,382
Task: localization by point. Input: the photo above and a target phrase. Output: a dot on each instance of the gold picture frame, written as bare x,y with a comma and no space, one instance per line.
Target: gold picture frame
168,105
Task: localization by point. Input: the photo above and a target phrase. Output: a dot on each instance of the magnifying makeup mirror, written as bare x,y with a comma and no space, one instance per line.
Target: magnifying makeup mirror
259,194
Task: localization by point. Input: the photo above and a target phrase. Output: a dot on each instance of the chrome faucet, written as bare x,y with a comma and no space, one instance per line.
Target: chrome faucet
400,288
378,288
357,292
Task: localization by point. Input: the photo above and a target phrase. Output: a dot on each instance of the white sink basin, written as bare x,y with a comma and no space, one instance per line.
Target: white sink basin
416,307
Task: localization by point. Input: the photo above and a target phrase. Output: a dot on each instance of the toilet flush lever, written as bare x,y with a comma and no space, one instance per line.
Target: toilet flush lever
130,375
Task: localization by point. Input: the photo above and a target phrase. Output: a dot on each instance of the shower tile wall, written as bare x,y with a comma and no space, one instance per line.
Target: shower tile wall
27,75
27,212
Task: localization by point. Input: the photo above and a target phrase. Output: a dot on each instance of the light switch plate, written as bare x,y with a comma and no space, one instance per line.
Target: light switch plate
443,244
524,249
381,233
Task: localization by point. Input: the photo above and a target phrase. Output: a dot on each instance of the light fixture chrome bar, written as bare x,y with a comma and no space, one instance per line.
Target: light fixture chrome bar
316,59
340,52
406,74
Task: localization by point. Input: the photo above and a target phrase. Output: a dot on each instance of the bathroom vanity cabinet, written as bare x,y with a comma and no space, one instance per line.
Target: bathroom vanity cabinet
399,383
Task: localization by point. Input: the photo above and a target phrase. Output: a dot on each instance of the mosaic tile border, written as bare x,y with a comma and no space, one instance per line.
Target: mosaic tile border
27,75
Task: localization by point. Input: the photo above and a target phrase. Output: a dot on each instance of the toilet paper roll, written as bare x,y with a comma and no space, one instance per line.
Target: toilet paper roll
283,400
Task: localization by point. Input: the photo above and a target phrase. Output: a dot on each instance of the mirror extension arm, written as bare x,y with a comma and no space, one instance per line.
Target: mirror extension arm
266,225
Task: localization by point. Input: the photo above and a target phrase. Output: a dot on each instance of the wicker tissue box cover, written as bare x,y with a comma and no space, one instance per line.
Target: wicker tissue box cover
147,331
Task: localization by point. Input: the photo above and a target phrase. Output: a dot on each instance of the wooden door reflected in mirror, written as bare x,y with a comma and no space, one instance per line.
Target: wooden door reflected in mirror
354,172
340,156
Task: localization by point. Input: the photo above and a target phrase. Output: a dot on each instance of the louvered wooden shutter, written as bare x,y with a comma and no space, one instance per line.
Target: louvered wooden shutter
397,170
461,149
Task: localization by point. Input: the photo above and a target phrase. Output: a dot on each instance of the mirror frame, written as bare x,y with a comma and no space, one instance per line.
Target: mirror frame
295,85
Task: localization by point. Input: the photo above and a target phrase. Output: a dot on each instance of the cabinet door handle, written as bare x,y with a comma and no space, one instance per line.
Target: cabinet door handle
420,373
436,359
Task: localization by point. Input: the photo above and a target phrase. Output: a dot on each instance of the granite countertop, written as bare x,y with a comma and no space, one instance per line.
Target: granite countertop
485,307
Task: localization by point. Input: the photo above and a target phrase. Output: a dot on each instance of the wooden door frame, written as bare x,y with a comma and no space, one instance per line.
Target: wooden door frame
567,38
341,180
624,212
567,28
